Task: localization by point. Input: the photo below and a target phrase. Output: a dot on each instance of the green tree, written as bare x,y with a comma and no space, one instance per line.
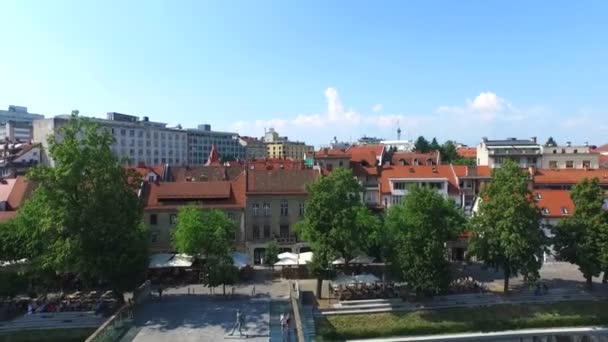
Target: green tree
335,223
422,145
465,161
448,152
419,228
550,142
207,234
434,146
85,215
506,232
581,238
272,252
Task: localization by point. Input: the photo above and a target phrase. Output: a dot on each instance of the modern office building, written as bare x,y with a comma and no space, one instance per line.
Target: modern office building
202,138
136,140
16,123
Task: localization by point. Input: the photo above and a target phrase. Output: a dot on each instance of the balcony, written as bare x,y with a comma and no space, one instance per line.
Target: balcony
514,152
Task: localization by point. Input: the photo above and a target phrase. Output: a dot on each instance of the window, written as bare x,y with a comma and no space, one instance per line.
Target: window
586,164
396,199
266,231
123,132
153,219
565,211
399,186
553,164
301,208
172,218
284,231
538,196
154,237
563,150
554,151
569,164
256,232
266,208
545,211
284,208
255,209
575,151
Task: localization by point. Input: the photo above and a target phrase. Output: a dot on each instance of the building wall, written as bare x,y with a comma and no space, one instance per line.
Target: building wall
559,157
166,219
274,220
200,142
333,163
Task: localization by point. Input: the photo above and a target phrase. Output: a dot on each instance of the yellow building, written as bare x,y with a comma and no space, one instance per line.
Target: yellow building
287,149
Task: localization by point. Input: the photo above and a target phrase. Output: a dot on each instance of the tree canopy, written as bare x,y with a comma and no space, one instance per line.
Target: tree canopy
506,232
336,223
434,146
85,216
422,145
582,238
272,252
419,228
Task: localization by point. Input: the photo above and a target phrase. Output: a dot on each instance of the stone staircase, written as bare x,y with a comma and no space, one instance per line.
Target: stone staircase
454,301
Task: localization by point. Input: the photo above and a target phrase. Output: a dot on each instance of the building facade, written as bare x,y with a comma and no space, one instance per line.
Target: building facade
254,148
494,153
135,141
278,147
274,204
201,139
569,157
16,123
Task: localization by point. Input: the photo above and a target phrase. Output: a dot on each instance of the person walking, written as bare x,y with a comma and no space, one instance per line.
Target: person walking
240,320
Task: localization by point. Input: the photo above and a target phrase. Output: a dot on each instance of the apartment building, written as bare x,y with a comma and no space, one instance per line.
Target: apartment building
201,140
17,158
275,203
494,153
254,148
16,123
282,148
135,141
331,158
569,157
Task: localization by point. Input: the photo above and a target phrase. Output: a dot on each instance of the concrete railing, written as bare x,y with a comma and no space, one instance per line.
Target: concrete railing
294,291
113,326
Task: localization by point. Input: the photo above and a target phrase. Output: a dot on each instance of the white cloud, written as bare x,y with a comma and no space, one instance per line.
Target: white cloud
377,108
487,107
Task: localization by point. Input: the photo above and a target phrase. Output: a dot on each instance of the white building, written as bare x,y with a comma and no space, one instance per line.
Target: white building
135,140
494,153
569,157
16,123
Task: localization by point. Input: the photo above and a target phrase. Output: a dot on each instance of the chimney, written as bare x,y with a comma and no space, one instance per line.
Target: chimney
533,139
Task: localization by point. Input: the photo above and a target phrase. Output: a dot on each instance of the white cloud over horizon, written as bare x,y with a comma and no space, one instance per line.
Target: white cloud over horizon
486,114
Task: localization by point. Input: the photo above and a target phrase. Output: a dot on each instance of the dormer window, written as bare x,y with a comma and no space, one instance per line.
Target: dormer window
545,211
565,211
538,196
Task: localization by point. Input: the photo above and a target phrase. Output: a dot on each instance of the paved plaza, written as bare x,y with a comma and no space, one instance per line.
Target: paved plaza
191,313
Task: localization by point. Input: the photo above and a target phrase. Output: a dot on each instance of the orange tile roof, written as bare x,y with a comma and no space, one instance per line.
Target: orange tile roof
603,160
21,191
362,171
431,158
367,153
275,164
144,170
467,152
331,153
601,149
212,194
554,203
415,172
569,176
279,181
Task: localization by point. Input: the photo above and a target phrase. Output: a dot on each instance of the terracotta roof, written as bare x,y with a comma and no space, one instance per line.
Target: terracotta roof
467,152
21,190
603,160
144,170
409,158
554,203
7,215
414,172
367,153
331,153
274,164
213,189
362,171
569,176
279,181
463,171
205,173
602,149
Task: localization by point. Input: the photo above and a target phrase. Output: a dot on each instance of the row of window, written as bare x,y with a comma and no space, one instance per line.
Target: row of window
173,218
265,233
569,164
284,208
140,134
406,185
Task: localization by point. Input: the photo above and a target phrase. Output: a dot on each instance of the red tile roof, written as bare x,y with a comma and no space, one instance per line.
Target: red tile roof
20,192
275,164
367,153
603,160
331,153
214,189
279,181
205,173
144,170
602,149
554,203
409,158
569,176
418,172
467,152
6,187
362,171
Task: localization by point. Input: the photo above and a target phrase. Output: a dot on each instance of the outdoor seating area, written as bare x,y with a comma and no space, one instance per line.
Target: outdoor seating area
364,286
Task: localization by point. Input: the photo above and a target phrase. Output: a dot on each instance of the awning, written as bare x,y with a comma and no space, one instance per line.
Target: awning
287,255
168,260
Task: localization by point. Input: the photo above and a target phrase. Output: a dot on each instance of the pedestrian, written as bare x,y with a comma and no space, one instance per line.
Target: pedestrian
287,320
238,324
282,320
253,290
160,292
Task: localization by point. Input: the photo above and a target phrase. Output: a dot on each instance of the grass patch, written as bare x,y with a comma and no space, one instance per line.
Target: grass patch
442,321
49,335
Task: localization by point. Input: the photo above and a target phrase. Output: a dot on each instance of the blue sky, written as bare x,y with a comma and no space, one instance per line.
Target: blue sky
317,69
